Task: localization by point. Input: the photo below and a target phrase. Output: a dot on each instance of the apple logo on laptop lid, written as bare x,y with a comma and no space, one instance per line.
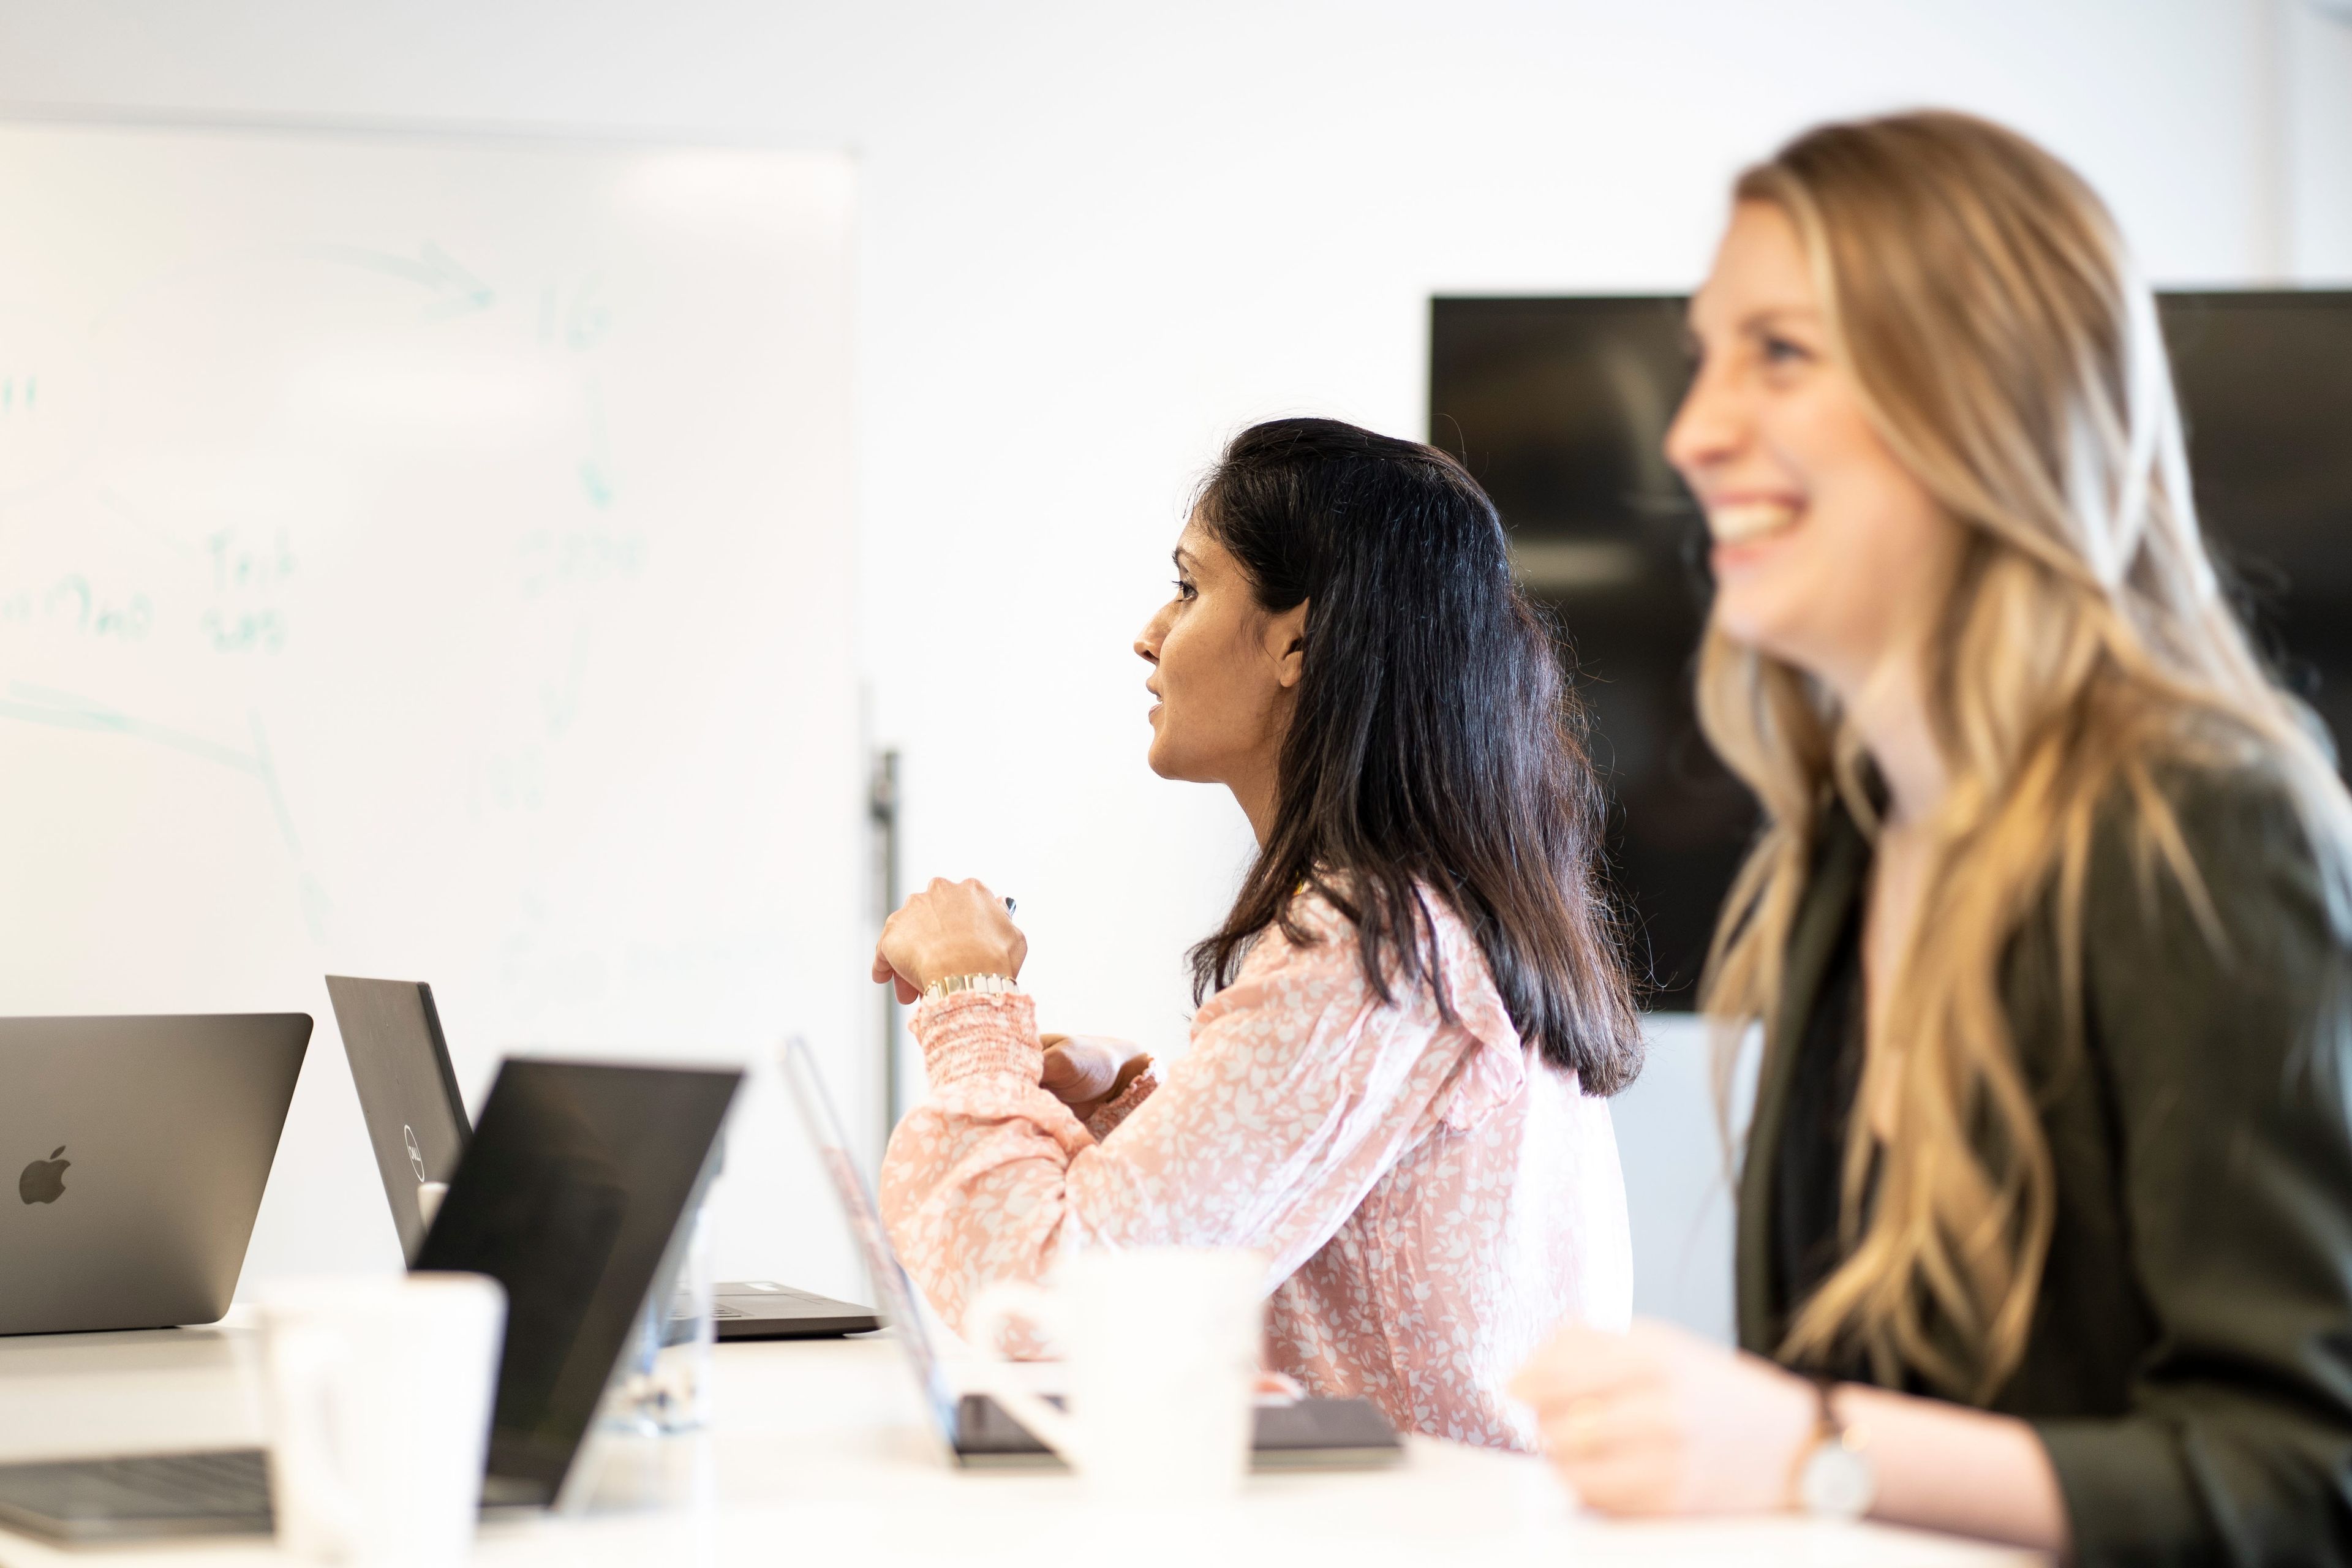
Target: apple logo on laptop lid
44,1181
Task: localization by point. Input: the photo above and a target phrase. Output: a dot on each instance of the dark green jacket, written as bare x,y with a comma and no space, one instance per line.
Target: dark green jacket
2189,1367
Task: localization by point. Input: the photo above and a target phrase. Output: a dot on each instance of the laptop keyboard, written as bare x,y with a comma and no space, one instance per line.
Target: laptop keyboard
782,1297
780,1293
226,1487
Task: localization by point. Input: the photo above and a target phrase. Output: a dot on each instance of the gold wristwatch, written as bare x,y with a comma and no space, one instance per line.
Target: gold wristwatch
986,984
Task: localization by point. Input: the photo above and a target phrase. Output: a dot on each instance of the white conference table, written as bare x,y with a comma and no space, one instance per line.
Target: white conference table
819,1452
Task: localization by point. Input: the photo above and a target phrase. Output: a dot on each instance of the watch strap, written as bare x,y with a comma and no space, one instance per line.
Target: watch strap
984,985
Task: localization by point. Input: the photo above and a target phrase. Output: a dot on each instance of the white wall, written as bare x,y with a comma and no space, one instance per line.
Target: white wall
1099,237
2313,103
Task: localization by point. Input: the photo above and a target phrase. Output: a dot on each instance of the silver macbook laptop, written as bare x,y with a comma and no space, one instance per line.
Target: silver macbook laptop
1304,1435
416,1123
139,1147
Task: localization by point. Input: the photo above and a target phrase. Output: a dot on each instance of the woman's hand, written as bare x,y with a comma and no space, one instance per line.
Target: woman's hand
948,928
1657,1420
1086,1072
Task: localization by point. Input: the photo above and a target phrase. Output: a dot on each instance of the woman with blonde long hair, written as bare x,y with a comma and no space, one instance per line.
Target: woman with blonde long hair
2045,1212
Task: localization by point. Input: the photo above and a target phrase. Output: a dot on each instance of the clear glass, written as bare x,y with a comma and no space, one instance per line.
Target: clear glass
666,1388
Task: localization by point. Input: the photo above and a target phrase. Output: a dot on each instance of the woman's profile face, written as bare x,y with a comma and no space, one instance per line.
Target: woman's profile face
1828,553
1223,670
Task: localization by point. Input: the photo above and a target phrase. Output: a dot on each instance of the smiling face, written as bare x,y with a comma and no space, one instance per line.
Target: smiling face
1225,673
1828,553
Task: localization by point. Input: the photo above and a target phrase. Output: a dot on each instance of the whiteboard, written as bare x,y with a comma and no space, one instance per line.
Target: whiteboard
431,558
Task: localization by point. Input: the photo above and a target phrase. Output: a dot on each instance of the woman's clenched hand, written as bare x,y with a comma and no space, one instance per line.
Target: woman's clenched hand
948,928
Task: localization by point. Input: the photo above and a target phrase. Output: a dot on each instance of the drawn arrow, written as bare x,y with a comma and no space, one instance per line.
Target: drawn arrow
455,291
65,710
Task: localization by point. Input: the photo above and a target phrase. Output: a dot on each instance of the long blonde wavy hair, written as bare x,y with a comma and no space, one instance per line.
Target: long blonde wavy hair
1982,301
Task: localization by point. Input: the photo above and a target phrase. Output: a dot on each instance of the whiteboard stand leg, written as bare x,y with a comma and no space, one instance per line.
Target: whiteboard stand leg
882,812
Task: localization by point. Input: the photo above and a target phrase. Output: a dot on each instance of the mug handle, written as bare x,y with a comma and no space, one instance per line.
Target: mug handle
307,1484
991,1311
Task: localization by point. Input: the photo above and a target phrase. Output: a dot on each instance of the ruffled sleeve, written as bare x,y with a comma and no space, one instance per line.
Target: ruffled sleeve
1108,1116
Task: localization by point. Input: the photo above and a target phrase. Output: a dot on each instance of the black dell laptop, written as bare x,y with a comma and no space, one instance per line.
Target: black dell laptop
416,1122
570,1195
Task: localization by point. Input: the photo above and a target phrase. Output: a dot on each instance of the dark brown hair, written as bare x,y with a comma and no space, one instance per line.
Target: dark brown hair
1435,748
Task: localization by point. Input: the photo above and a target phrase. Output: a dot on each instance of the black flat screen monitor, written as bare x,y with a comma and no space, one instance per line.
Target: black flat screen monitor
1560,407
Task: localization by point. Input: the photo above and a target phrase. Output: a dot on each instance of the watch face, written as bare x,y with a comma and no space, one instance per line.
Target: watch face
1837,1482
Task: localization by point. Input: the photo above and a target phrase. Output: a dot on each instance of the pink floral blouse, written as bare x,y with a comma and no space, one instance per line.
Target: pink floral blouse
1433,1198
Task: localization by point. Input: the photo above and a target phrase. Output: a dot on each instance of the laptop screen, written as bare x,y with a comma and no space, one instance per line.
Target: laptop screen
892,1289
567,1194
408,1092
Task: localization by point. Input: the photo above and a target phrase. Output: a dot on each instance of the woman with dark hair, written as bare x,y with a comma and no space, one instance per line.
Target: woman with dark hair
1410,1018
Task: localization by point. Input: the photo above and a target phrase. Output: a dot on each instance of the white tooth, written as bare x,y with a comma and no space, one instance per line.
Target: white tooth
1740,521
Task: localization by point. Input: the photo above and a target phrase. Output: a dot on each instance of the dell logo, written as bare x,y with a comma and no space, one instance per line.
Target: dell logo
415,1155
44,1181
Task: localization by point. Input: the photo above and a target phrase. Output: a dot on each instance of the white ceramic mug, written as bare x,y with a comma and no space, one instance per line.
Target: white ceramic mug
378,1396
1162,1345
